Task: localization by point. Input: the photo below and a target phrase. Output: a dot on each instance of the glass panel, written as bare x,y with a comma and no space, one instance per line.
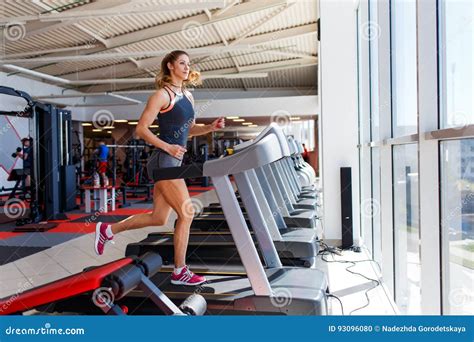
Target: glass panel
404,82
457,223
377,231
374,73
457,71
407,232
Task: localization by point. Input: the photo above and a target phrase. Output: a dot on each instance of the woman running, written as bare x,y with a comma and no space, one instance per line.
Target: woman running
175,107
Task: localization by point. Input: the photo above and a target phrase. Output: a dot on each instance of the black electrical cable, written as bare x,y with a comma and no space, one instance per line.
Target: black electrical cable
340,302
332,250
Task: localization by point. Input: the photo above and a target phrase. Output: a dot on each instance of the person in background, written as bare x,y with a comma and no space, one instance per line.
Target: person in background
103,155
27,155
305,154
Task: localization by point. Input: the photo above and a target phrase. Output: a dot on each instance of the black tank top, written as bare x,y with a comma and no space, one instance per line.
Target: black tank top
176,119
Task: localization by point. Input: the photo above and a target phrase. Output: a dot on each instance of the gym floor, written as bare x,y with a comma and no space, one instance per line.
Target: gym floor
38,258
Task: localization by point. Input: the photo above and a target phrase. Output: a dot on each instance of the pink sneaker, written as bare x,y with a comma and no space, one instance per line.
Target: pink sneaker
186,277
101,237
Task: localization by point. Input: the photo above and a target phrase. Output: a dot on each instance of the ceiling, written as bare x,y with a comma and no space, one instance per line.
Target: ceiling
106,46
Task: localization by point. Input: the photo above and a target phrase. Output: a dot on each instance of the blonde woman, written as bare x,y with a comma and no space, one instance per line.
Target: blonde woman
175,108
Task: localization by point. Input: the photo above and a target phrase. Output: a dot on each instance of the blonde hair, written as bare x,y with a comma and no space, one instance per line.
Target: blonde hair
164,76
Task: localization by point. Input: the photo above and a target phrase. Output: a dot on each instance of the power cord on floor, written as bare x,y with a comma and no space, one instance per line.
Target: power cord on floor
330,250
340,302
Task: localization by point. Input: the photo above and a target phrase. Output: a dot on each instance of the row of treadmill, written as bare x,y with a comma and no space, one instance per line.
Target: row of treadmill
257,247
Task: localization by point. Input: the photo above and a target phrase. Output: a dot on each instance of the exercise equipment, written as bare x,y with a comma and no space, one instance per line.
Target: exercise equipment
262,284
297,205
296,246
102,289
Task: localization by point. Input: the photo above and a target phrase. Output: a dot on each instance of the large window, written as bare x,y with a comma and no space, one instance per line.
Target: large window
406,229
374,75
457,223
376,206
457,66
404,82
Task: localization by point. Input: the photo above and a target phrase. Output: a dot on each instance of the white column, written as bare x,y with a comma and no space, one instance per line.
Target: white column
428,158
339,115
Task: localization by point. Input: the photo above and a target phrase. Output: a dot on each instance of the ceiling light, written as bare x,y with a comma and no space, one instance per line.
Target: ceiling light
247,123
154,126
110,132
295,118
85,124
96,130
231,117
200,124
120,120
133,123
252,126
108,127
238,120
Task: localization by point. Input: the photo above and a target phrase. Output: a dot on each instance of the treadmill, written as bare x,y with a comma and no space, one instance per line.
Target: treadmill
265,287
295,246
297,211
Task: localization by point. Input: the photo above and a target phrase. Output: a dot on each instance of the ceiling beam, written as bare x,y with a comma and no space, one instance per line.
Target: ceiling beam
256,42
37,27
82,14
263,67
121,54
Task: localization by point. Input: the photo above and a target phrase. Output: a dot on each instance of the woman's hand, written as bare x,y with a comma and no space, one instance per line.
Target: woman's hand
176,151
218,124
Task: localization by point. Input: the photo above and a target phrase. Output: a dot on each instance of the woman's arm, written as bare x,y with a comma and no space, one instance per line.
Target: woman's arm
216,125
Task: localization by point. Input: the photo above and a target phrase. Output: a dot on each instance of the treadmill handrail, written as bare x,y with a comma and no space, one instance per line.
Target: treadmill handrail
273,128
259,153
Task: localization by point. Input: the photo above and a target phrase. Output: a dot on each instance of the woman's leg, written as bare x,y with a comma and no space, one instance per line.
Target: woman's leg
159,216
176,195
